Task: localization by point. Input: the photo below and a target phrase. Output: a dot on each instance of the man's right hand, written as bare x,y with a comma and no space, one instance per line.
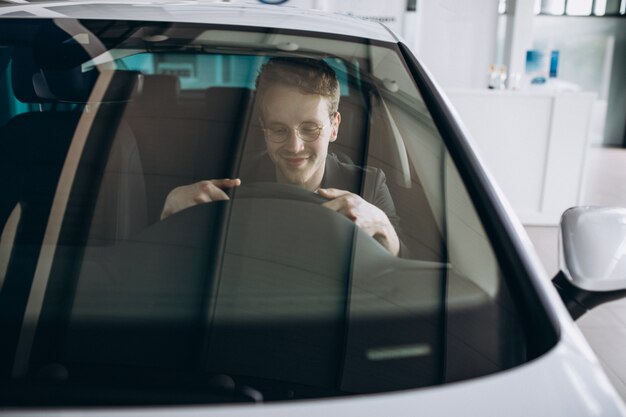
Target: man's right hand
201,192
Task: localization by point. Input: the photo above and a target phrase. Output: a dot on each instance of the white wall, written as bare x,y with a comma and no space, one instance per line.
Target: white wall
592,56
389,12
456,40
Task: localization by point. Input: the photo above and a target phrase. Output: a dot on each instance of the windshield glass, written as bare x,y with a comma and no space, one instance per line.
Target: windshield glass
199,215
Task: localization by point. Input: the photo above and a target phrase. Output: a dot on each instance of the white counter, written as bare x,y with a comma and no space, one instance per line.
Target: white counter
534,143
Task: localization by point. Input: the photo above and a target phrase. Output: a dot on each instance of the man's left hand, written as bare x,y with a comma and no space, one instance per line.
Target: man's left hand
367,216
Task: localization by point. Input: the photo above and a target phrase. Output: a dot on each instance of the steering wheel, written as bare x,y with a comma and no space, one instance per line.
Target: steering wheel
276,190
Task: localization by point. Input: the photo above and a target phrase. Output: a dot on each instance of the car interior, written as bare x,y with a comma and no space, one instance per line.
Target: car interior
266,297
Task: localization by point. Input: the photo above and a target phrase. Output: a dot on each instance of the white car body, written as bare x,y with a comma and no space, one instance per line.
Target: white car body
567,381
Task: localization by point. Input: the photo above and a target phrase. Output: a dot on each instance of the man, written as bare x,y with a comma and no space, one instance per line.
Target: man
298,100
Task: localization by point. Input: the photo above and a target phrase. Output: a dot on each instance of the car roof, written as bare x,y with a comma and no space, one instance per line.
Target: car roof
234,12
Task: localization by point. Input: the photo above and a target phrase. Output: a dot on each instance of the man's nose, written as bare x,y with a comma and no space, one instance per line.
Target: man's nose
293,143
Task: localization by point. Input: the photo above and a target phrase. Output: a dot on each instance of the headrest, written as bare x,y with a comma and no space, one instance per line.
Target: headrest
122,85
68,85
227,103
159,89
23,70
32,84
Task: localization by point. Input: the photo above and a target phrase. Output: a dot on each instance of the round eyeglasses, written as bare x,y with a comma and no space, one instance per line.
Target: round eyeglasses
307,131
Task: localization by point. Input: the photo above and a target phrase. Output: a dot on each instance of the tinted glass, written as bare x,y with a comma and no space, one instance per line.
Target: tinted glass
269,295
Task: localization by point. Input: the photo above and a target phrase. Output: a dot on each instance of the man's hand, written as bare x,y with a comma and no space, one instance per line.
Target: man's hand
365,215
187,196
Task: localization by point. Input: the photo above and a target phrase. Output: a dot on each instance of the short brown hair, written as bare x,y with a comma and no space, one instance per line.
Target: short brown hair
310,76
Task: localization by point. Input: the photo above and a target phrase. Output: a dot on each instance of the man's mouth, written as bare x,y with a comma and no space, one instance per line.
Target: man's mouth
295,161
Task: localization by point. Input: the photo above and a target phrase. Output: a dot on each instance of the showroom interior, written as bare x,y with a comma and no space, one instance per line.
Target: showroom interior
155,256
539,85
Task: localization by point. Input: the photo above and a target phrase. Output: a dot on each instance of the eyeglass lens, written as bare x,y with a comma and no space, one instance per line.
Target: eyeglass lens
307,131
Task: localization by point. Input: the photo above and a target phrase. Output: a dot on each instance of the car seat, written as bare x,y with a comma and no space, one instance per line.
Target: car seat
33,149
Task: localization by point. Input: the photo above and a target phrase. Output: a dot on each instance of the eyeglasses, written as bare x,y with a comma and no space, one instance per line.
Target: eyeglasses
307,131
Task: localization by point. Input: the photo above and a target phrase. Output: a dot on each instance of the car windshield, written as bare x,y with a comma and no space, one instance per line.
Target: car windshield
270,294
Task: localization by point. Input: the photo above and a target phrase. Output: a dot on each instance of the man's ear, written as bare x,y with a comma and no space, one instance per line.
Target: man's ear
335,126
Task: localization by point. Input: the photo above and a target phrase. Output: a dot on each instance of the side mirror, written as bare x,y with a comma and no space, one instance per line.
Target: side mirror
592,257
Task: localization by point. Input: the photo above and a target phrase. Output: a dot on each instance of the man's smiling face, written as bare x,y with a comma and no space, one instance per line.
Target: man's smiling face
297,161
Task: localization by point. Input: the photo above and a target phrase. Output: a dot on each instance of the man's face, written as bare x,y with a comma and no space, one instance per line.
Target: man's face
297,161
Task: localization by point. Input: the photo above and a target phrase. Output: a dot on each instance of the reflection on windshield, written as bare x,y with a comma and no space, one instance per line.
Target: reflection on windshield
225,226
